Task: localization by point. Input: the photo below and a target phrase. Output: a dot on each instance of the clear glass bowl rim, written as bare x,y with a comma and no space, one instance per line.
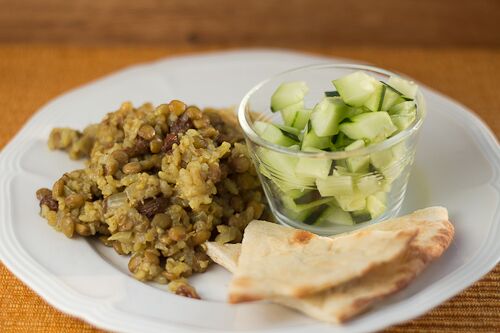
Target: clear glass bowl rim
250,133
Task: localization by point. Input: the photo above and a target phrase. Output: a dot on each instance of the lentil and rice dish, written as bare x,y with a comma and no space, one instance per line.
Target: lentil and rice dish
158,183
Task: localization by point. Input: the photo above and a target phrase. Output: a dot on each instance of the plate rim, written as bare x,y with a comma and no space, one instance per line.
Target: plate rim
24,267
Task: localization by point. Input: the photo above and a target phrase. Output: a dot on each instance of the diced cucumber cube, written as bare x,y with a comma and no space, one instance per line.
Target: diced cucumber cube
311,140
399,150
277,162
290,113
294,194
402,121
386,186
374,102
273,134
306,197
290,203
359,163
407,88
389,162
352,112
381,196
315,214
358,144
393,170
299,216
301,119
280,168
335,185
381,158
261,127
375,206
361,215
341,169
369,184
327,115
334,215
369,126
403,114
289,130
313,167
298,213
355,88
407,107
351,203
341,141
391,98
287,94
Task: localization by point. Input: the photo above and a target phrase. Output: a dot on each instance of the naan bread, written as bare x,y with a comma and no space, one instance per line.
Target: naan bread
281,261
435,231
339,304
225,255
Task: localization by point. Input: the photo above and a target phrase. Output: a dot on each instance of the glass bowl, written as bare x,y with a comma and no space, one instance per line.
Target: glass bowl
296,201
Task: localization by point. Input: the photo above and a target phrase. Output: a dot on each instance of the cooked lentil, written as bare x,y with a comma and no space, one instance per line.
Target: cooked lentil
158,183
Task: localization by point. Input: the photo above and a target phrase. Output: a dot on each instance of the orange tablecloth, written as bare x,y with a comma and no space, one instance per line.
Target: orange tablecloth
32,75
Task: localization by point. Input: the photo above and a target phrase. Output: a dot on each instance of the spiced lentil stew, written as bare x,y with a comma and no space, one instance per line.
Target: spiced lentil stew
158,183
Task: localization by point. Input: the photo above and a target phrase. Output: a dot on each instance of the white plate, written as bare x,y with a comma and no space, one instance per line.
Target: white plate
457,166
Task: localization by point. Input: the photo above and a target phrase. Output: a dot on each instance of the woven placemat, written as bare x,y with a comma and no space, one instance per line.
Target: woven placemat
32,75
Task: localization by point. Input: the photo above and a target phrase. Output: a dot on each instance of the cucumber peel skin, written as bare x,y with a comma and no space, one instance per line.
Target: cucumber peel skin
315,214
333,93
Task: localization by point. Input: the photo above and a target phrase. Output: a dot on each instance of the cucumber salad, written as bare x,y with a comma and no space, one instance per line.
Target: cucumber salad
360,111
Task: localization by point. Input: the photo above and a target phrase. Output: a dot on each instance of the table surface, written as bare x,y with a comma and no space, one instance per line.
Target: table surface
31,75
195,22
